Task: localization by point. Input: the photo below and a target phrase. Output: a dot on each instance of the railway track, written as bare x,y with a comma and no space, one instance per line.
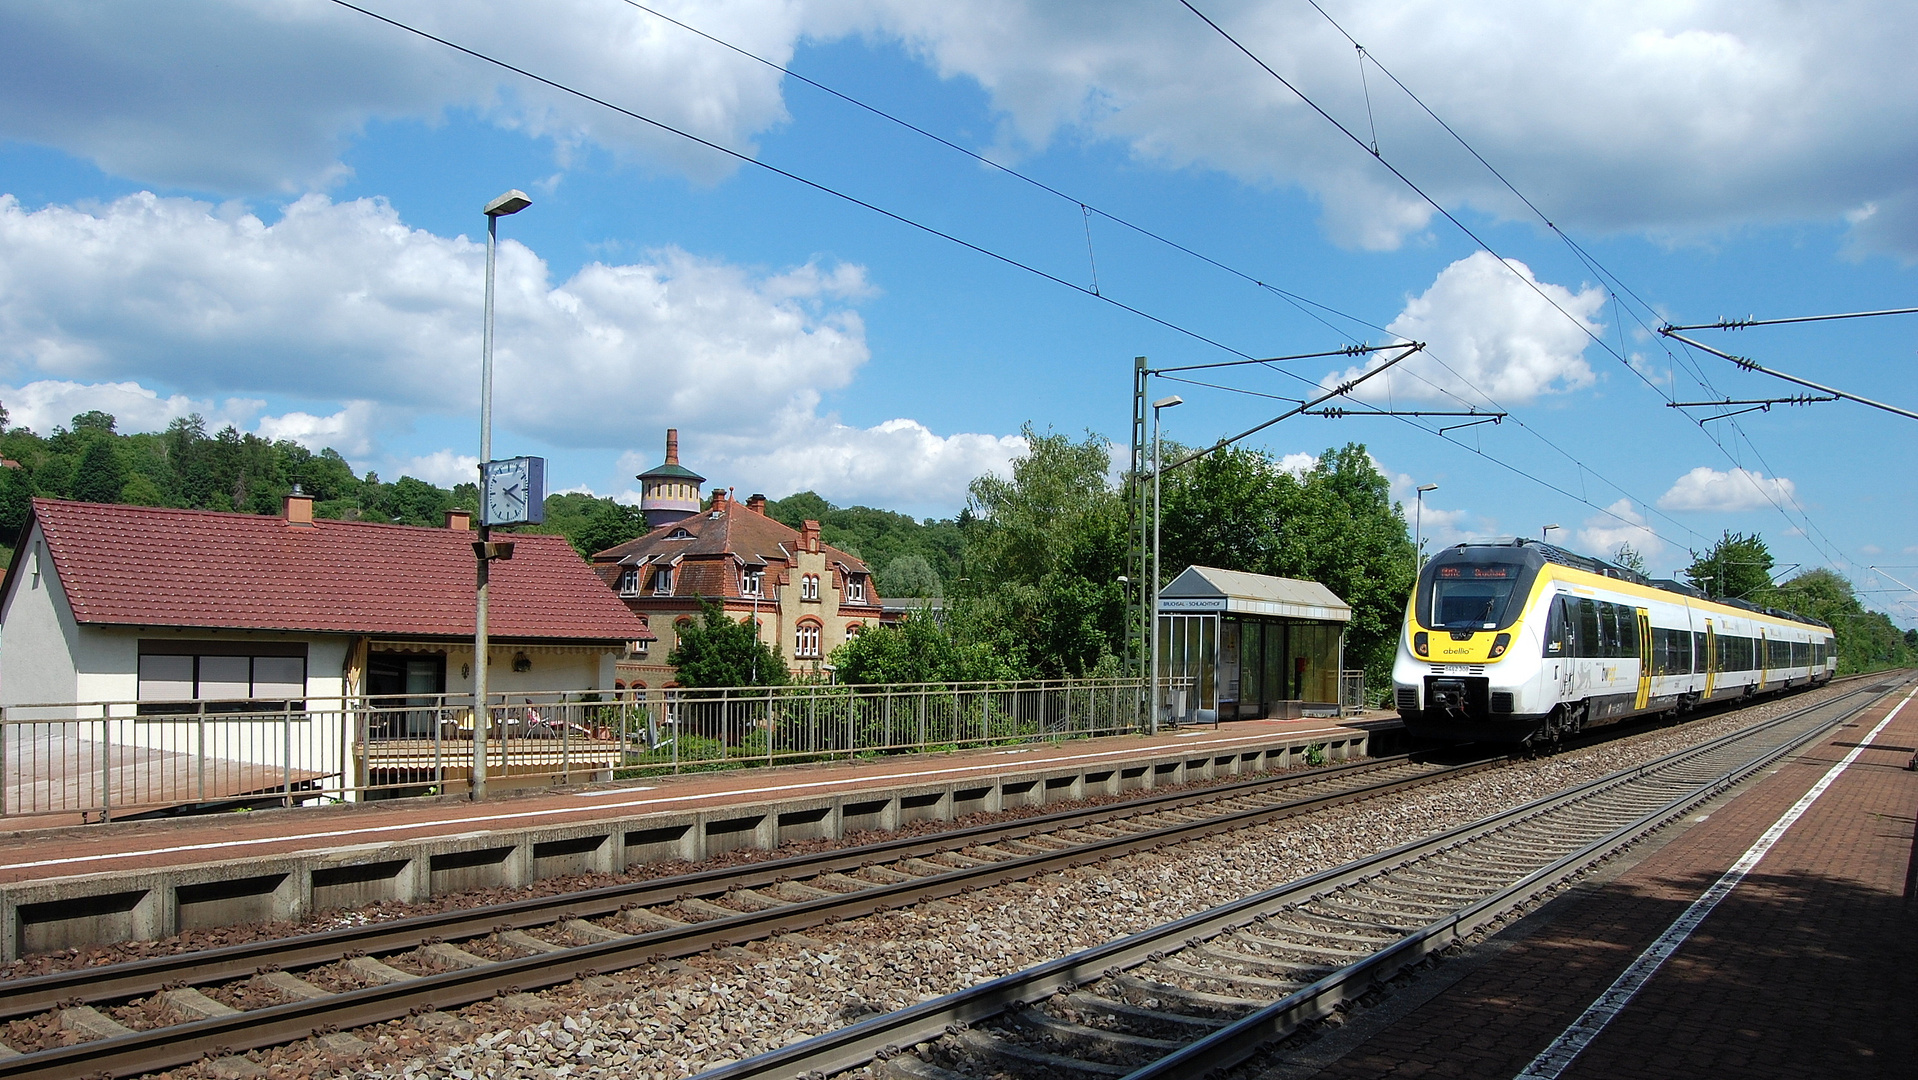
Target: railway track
350,977
1205,992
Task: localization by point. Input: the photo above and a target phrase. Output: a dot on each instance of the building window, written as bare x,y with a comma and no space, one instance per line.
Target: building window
854,630
680,534
629,581
806,640
856,589
751,582
809,587
177,676
663,581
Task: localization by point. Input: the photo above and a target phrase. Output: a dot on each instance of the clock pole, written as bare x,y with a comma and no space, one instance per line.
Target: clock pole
510,203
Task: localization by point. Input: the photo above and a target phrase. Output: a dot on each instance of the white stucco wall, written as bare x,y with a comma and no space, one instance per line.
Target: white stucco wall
38,637
554,668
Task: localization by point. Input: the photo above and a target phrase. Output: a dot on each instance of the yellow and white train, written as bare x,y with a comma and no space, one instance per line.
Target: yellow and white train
1519,641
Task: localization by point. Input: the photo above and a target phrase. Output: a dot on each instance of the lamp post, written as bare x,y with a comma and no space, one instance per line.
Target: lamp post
510,203
1546,532
1157,407
1418,527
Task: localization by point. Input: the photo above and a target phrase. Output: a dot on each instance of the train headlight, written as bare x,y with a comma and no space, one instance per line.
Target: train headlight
1500,644
1422,643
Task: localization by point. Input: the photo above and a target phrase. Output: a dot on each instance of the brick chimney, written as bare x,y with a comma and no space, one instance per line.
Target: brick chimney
459,519
720,500
672,446
809,536
299,508
756,503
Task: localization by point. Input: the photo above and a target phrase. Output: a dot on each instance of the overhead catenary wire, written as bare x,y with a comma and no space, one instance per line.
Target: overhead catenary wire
1583,256
1006,259
1304,304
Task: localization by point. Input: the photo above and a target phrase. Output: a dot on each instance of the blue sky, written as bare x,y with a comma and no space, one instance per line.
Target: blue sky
268,213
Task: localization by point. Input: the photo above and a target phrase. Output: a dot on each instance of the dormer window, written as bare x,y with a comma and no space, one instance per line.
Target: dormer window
629,581
679,534
663,581
856,589
751,582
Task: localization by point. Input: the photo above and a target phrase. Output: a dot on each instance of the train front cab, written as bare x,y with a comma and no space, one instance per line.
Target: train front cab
1469,660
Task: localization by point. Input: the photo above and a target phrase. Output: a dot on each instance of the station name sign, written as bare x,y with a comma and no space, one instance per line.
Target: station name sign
1205,603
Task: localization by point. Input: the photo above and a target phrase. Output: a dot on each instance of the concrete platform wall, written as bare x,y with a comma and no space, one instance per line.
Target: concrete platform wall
60,913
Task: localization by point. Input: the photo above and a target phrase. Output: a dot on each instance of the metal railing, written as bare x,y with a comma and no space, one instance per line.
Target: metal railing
108,759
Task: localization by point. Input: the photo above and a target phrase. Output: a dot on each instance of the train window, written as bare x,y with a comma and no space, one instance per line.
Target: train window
1698,652
1628,643
1559,639
1589,641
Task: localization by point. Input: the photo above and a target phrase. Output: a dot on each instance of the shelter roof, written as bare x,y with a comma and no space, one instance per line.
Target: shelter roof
1207,588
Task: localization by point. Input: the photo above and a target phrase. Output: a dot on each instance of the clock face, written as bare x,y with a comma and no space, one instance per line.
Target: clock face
514,492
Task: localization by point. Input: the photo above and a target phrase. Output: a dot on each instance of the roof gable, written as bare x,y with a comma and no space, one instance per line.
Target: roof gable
148,566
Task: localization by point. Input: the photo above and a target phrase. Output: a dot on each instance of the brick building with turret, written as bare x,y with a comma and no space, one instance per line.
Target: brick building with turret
807,596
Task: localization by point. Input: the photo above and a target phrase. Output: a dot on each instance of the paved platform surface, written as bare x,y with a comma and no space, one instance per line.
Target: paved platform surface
1807,968
120,847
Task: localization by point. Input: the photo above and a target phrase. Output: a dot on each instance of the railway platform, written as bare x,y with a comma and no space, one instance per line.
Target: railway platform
76,886
1807,966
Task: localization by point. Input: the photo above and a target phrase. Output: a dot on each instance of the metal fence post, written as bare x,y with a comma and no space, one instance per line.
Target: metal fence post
286,742
106,769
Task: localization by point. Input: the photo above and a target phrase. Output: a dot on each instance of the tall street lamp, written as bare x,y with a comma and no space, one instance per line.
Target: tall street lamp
1545,533
1157,407
1418,526
510,203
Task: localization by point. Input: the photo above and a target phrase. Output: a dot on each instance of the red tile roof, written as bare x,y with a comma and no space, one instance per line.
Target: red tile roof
147,566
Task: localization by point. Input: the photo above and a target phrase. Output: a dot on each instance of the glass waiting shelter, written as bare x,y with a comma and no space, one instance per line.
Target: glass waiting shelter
1235,646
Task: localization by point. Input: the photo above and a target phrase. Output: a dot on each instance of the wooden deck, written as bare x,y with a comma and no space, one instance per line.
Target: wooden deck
80,780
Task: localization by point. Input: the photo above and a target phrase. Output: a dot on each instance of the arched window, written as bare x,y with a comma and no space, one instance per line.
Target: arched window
853,630
809,587
806,640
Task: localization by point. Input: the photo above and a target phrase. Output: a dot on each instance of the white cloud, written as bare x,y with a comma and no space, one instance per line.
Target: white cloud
443,467
48,403
263,95
1705,488
1618,525
1435,526
350,431
899,464
1490,336
337,298
1298,464
1621,115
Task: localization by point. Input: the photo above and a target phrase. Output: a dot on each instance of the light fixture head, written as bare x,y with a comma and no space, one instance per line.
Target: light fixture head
510,203
1428,487
1168,402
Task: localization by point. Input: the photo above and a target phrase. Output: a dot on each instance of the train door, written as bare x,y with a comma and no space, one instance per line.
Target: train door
1711,658
1763,660
1644,659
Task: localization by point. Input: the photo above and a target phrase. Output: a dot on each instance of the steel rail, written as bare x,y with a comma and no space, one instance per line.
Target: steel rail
25,997
882,1037
167,1047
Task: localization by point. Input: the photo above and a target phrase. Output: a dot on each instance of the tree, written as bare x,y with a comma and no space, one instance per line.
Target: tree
1866,639
609,524
918,649
94,420
909,575
101,476
716,651
1348,535
1738,567
1630,558
1042,560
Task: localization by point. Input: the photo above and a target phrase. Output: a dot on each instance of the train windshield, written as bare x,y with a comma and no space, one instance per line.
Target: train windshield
1472,592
